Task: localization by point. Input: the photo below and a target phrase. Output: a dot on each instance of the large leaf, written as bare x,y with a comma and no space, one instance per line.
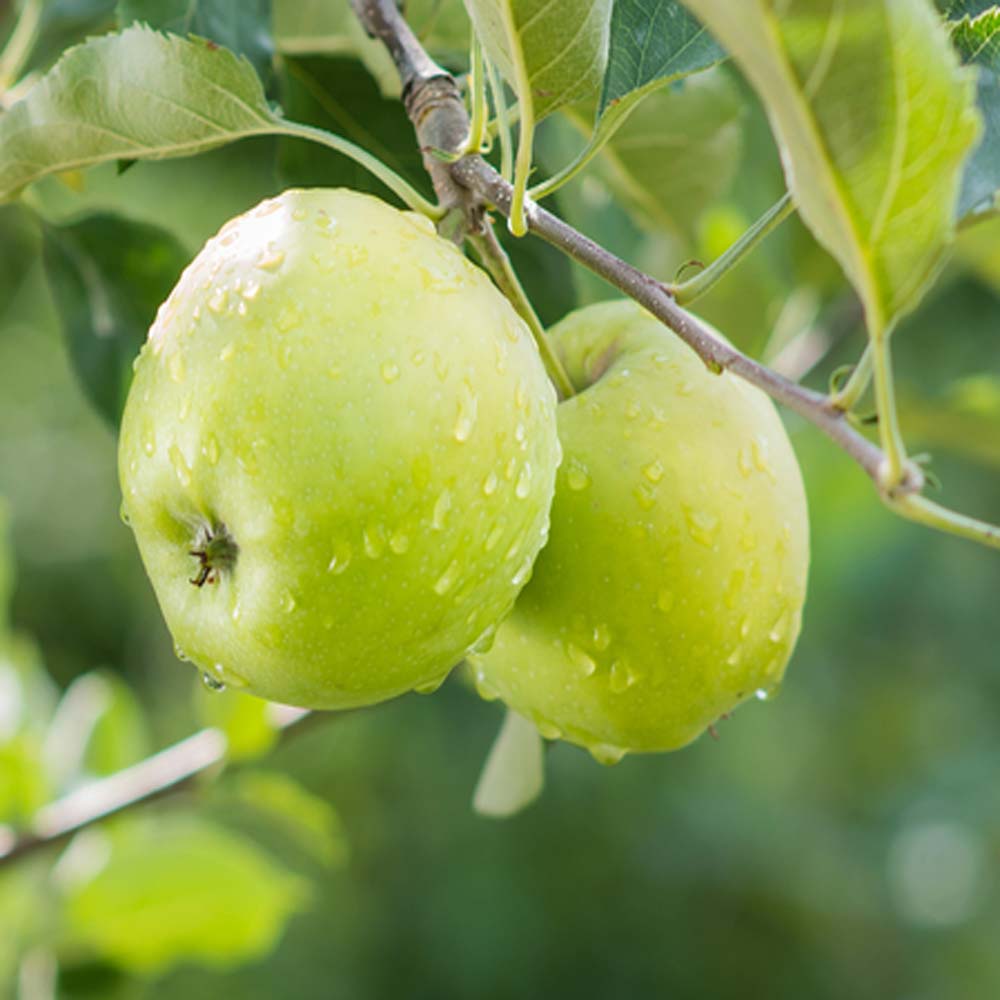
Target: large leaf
551,52
963,8
978,41
108,276
151,892
677,153
135,95
244,26
874,117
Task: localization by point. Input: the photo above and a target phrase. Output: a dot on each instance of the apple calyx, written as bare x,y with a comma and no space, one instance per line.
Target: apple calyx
216,551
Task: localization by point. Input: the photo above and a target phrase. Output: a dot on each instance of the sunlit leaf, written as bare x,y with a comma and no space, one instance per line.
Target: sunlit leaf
244,720
154,891
514,773
551,52
135,95
874,117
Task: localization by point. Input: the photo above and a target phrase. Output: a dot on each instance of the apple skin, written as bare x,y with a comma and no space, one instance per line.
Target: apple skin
353,429
672,585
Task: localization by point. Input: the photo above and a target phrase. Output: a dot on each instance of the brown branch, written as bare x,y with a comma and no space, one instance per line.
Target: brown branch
442,124
171,770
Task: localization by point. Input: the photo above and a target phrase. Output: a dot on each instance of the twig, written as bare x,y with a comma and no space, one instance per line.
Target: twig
441,122
168,771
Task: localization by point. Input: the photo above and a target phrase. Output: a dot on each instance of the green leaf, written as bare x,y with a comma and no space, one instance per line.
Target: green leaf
243,719
955,9
978,42
677,153
874,117
23,785
514,774
296,815
135,95
243,26
149,892
653,42
551,52
108,276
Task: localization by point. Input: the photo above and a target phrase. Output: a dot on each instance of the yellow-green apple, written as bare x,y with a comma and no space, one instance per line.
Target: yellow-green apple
338,453
673,582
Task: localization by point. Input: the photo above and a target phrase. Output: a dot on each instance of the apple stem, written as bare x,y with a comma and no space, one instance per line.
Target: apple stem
216,551
496,261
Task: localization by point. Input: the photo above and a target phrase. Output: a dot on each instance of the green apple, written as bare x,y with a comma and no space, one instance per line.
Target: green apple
338,453
672,586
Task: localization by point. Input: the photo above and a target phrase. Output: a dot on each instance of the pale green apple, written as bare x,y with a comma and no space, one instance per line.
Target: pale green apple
338,454
672,585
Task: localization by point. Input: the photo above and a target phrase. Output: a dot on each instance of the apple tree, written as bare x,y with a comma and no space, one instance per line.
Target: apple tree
477,339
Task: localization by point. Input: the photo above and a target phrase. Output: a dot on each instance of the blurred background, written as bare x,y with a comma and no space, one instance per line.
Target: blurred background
840,840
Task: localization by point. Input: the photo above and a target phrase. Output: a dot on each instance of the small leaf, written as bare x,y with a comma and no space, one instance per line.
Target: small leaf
875,119
978,42
108,276
135,95
243,26
304,819
551,53
514,773
150,892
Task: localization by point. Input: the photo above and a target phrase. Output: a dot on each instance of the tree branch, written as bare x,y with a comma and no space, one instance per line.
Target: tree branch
170,770
439,117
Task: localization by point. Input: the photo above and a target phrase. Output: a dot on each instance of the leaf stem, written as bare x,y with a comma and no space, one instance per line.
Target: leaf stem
893,470
20,44
856,385
689,291
498,263
477,98
401,188
932,515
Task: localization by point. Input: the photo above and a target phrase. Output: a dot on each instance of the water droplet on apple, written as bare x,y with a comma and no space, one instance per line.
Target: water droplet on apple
620,678
418,358
176,367
645,496
218,301
734,657
185,411
485,642
467,409
447,579
583,662
251,290
548,730
665,600
703,526
523,573
399,543
485,690
123,514
210,449
429,687
761,457
510,468
212,683
762,694
390,372
523,487
490,484
493,538
733,588
745,462
602,637
237,613
441,367
374,539
501,357
780,628
284,356
149,439
180,654
341,558
654,471
228,352
520,434
288,602
441,508
632,409
577,477
744,628
606,754
181,468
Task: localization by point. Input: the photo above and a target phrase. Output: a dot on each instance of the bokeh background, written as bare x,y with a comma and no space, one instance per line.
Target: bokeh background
841,840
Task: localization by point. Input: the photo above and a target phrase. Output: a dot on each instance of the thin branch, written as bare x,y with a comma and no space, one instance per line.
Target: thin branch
441,122
168,771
